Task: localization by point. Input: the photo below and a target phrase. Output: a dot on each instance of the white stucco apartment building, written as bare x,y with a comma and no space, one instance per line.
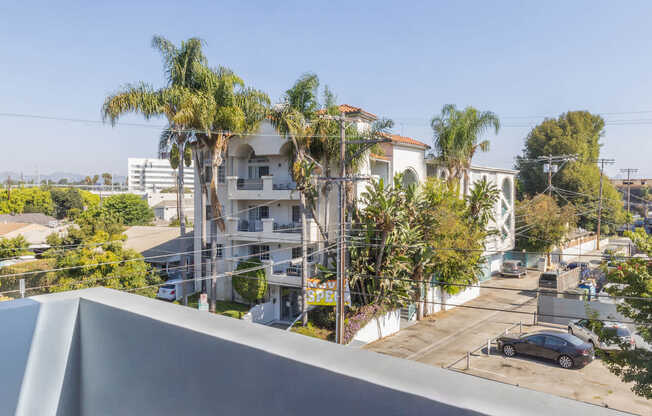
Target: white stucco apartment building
262,212
154,175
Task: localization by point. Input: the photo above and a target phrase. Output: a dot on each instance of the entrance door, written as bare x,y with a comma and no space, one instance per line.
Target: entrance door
289,303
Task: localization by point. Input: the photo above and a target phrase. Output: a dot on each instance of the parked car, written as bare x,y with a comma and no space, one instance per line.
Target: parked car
567,350
175,288
548,280
581,328
513,268
575,264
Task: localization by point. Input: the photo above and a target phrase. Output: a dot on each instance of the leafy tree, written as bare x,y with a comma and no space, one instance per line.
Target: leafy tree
543,224
634,282
457,136
405,233
94,256
480,203
65,200
90,199
129,208
251,285
13,247
22,200
572,133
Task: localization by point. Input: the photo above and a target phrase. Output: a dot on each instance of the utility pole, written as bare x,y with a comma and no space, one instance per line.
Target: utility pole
341,272
549,175
602,163
628,171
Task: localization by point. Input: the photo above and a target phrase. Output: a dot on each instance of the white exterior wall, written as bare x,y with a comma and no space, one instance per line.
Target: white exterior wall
152,175
380,327
438,300
408,157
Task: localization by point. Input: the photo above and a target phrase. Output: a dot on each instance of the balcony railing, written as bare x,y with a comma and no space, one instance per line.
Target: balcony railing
292,270
250,184
250,226
287,228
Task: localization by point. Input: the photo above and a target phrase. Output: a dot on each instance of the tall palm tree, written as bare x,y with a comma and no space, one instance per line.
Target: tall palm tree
457,135
224,109
180,64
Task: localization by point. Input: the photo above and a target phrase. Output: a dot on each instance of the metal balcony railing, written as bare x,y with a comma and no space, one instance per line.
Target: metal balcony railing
291,270
250,184
250,226
287,228
284,186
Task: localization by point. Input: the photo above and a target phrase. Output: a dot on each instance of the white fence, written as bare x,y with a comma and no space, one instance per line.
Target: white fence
438,300
260,314
380,327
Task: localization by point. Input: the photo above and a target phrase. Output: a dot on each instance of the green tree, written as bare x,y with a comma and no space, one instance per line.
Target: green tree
22,200
542,223
129,208
634,283
252,284
572,133
13,247
65,200
457,135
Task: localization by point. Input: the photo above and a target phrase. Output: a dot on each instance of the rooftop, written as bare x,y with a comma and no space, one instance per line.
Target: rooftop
99,351
32,218
395,138
158,241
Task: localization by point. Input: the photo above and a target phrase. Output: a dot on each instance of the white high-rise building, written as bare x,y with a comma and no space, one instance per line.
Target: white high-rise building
155,175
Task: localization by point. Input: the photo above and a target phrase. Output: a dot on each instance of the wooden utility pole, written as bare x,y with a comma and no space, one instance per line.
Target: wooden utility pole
602,163
549,175
628,171
341,275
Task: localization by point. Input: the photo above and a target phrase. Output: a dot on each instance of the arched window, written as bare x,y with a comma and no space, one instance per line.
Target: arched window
507,190
410,177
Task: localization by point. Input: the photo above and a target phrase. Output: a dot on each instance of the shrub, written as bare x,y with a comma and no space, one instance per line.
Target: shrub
251,285
360,318
131,209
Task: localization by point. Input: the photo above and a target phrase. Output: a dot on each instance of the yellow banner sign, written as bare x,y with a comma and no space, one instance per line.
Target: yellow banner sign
325,293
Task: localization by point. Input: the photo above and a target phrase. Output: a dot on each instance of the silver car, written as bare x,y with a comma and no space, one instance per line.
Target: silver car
581,328
513,268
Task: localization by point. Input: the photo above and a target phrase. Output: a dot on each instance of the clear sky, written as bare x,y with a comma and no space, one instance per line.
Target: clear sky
403,60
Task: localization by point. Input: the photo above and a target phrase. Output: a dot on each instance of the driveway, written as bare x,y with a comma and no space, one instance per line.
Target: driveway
442,338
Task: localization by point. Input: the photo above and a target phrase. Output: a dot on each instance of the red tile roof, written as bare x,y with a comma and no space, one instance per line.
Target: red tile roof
349,109
406,140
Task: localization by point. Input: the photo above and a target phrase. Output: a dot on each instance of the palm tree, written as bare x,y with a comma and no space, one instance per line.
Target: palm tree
174,102
457,137
224,109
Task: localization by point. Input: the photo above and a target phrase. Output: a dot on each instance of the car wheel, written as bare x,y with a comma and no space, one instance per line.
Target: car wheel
570,330
565,361
509,350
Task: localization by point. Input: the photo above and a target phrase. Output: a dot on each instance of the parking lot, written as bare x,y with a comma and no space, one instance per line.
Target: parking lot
445,337
592,383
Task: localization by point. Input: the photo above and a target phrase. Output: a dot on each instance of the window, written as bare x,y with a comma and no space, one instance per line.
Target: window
535,339
262,251
296,213
296,252
256,172
220,250
554,342
221,174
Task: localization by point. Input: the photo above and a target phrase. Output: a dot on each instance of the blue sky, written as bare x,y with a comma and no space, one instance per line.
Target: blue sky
522,60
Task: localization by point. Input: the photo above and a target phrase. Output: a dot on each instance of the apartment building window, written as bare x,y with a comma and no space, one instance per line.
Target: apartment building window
220,250
262,251
296,253
221,174
296,213
257,172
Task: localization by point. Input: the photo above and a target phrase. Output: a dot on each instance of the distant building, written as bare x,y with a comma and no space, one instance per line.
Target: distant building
154,175
167,210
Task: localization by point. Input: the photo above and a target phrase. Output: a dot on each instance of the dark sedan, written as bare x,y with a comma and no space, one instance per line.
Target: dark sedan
567,350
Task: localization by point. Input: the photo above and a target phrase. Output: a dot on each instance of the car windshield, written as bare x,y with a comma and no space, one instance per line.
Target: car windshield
617,331
167,287
548,276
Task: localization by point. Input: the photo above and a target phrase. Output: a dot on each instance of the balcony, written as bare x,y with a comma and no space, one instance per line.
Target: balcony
268,230
264,188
